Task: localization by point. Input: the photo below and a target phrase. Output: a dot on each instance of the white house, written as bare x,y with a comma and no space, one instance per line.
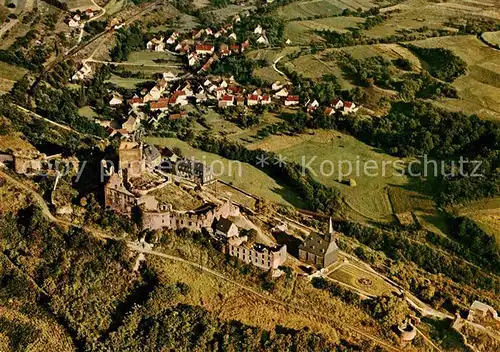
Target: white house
193,59
116,100
263,40
154,94
73,24
226,228
169,76
233,36
258,30
350,107
288,42
236,19
282,93
276,86
337,104
156,45
292,100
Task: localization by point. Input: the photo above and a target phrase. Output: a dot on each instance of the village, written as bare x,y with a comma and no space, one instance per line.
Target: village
172,93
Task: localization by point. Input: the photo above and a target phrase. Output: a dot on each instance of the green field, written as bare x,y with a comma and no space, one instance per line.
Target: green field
479,89
301,32
369,199
129,83
306,9
241,175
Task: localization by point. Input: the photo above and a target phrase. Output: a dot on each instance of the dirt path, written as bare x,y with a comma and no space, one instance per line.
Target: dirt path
8,26
131,64
141,249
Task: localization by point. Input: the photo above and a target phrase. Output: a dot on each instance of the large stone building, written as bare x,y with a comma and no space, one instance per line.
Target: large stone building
155,215
194,170
320,250
259,255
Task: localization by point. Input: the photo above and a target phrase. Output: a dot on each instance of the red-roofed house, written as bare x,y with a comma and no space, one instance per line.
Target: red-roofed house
224,50
226,101
350,107
161,104
220,92
292,100
204,49
266,99
135,101
252,99
235,48
329,111
245,45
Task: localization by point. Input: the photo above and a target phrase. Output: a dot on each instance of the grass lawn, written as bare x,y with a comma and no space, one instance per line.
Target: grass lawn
241,175
113,6
87,112
369,199
353,276
128,83
148,57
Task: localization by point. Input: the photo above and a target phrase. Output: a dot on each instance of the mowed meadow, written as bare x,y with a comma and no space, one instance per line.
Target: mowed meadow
369,199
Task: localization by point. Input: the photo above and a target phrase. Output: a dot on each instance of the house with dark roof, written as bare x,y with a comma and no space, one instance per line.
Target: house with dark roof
226,228
320,250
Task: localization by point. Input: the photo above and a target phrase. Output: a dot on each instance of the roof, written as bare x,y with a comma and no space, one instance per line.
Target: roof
224,225
253,97
293,98
161,103
150,153
177,116
227,98
266,97
348,104
319,244
135,100
204,47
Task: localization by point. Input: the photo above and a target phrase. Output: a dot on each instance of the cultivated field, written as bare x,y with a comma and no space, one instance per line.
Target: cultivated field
301,32
241,175
310,8
479,89
492,38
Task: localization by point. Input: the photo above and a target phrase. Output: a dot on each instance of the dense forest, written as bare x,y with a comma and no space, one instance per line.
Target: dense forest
443,63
